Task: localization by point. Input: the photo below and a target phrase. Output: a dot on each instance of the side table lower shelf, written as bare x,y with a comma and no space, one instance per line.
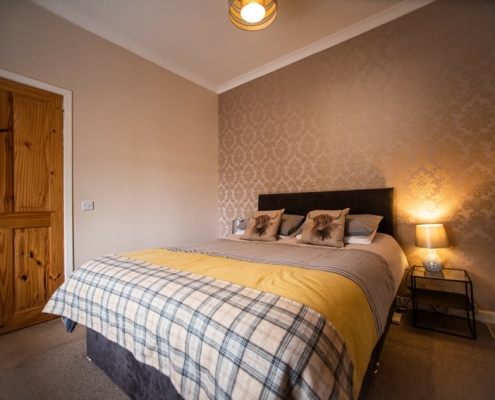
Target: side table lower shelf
428,303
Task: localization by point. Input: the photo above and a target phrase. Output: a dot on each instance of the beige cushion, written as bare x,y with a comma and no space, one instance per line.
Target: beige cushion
263,226
325,228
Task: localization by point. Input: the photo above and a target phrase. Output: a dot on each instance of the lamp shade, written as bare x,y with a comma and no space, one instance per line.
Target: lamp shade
431,236
238,8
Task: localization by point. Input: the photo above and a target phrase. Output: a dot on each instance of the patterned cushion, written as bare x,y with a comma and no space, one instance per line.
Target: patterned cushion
263,226
325,228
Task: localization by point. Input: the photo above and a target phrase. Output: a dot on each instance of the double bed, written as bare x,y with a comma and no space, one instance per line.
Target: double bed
244,318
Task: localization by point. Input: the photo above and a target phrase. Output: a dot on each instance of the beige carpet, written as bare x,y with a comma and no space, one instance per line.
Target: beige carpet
422,364
44,362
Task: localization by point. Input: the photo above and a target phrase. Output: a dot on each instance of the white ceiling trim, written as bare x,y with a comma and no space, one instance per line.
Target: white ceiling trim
81,20
368,24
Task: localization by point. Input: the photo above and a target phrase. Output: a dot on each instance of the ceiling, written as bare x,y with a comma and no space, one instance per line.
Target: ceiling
196,40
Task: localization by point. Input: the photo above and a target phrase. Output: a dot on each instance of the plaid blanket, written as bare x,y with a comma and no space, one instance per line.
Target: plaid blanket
214,339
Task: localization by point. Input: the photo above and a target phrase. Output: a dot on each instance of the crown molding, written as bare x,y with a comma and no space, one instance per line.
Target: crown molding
361,27
86,23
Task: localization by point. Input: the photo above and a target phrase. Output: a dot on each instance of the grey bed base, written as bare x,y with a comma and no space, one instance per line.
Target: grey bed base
140,381
136,379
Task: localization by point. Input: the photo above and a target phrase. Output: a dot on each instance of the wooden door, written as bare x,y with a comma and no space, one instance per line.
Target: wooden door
31,203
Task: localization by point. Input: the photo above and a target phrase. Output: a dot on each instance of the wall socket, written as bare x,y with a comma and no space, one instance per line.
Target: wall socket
88,205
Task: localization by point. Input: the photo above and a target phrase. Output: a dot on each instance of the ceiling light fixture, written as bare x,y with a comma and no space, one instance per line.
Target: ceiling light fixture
252,15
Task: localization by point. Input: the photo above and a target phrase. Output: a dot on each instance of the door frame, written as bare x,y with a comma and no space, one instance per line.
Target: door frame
67,124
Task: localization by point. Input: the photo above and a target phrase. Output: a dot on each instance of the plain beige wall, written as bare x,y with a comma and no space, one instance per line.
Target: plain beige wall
145,141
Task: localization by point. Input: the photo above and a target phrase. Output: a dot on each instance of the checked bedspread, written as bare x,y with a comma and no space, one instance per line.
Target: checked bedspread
212,338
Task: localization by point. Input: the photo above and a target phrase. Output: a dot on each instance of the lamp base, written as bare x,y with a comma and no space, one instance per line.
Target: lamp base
432,262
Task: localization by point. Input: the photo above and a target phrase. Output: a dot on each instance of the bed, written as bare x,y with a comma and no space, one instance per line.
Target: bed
213,319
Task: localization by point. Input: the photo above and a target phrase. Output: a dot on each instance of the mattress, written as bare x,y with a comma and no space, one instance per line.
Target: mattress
235,319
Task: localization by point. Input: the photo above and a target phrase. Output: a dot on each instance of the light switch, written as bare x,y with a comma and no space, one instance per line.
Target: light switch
88,205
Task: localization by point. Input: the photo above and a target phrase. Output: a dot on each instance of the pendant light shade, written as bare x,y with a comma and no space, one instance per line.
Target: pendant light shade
252,15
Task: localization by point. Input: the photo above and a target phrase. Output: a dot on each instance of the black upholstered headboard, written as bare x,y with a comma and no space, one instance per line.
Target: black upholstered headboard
361,201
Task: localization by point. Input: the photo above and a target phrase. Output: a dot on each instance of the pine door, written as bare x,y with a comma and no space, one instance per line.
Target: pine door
31,203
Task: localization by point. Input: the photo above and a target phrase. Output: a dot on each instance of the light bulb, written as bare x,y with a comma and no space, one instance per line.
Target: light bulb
253,12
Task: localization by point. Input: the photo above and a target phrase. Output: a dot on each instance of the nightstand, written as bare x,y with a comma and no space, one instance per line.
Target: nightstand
446,290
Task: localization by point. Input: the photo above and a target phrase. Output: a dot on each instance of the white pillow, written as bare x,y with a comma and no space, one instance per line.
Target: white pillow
360,239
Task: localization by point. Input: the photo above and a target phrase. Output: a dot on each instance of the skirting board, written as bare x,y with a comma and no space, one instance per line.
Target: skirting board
488,317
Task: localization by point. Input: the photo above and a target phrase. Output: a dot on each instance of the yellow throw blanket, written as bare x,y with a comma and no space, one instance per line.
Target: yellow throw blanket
334,296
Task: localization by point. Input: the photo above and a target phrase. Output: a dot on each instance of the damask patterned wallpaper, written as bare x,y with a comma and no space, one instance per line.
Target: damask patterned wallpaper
409,105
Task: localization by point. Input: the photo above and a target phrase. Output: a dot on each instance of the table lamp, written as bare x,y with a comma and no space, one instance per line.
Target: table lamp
432,236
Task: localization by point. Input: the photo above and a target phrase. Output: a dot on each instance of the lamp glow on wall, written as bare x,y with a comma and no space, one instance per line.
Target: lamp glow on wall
432,236
252,15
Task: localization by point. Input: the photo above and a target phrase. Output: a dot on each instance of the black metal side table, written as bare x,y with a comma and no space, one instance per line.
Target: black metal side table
449,288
